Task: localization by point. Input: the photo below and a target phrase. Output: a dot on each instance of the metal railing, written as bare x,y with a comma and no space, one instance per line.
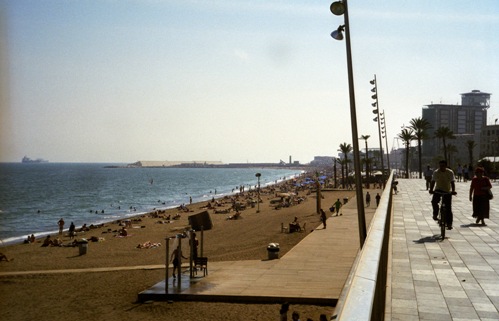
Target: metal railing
363,296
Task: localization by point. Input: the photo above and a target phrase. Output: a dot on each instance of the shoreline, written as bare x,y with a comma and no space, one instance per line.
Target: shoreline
127,214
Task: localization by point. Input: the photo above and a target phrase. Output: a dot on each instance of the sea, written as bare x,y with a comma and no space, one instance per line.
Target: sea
33,197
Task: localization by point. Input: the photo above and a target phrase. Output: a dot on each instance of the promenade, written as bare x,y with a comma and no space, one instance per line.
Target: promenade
429,279
454,279
312,272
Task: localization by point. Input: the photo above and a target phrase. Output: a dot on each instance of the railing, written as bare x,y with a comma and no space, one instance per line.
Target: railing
363,296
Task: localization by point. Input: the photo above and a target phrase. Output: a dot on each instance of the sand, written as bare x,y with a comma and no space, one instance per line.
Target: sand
112,295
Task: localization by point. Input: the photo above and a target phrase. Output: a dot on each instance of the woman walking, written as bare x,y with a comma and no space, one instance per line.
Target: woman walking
479,195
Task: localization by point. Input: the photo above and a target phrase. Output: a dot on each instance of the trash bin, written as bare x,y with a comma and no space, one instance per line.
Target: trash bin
273,251
82,246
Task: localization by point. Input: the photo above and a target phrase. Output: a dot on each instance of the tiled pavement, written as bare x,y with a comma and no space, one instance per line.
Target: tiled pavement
455,279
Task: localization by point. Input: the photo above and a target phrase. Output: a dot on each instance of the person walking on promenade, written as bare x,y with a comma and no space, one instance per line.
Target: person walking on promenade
479,195
61,225
459,172
443,181
337,205
368,199
323,218
428,173
378,198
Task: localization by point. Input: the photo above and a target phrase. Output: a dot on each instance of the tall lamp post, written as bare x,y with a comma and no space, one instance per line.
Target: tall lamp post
384,135
365,138
258,193
378,120
339,8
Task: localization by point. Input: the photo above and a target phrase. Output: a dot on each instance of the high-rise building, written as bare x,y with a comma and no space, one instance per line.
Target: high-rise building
465,121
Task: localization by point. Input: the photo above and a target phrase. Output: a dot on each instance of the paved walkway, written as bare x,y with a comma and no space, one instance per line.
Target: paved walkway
314,271
457,279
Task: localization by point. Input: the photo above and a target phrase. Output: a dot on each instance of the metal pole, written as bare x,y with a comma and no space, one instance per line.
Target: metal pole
179,253
355,138
386,144
202,240
379,134
167,265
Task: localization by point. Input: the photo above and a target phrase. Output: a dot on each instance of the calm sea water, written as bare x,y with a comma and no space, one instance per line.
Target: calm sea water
33,197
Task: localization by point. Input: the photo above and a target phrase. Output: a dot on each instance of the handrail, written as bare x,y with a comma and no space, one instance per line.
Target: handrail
363,296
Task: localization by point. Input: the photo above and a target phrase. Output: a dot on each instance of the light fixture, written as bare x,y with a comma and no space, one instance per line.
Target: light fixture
372,82
374,104
374,96
338,33
337,8
373,90
375,111
375,119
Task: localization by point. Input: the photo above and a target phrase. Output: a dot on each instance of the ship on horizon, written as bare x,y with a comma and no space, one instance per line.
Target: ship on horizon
27,160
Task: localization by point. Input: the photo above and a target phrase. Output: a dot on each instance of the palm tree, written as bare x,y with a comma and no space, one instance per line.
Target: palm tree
365,138
470,144
345,149
407,135
342,163
444,133
451,149
420,127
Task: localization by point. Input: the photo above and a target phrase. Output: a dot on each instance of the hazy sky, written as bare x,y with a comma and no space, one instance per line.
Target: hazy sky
228,80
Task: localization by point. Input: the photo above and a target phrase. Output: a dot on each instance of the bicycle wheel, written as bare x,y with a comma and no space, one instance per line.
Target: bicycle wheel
442,221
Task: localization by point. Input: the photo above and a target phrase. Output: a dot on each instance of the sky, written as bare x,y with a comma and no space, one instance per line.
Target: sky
229,80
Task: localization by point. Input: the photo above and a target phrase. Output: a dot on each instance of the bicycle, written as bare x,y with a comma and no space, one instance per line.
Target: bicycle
442,213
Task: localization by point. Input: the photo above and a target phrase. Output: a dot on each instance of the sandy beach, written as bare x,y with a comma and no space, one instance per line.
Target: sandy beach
112,295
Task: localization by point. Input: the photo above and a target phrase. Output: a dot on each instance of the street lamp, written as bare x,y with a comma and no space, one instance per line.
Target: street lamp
340,8
385,136
377,119
258,193
365,138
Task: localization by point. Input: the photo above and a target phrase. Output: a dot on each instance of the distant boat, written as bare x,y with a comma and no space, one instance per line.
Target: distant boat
27,160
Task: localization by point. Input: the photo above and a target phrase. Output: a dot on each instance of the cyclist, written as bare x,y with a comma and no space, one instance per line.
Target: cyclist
442,181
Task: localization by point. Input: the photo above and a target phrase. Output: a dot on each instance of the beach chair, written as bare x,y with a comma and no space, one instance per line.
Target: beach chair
202,264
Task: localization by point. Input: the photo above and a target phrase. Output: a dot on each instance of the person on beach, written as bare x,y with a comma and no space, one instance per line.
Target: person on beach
295,316
323,218
61,225
479,194
47,241
294,226
3,257
368,199
195,244
175,259
72,229
283,312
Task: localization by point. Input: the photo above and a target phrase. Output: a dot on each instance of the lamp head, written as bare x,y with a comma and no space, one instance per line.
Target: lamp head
374,96
373,90
375,111
375,119
374,104
337,8
372,82
338,33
